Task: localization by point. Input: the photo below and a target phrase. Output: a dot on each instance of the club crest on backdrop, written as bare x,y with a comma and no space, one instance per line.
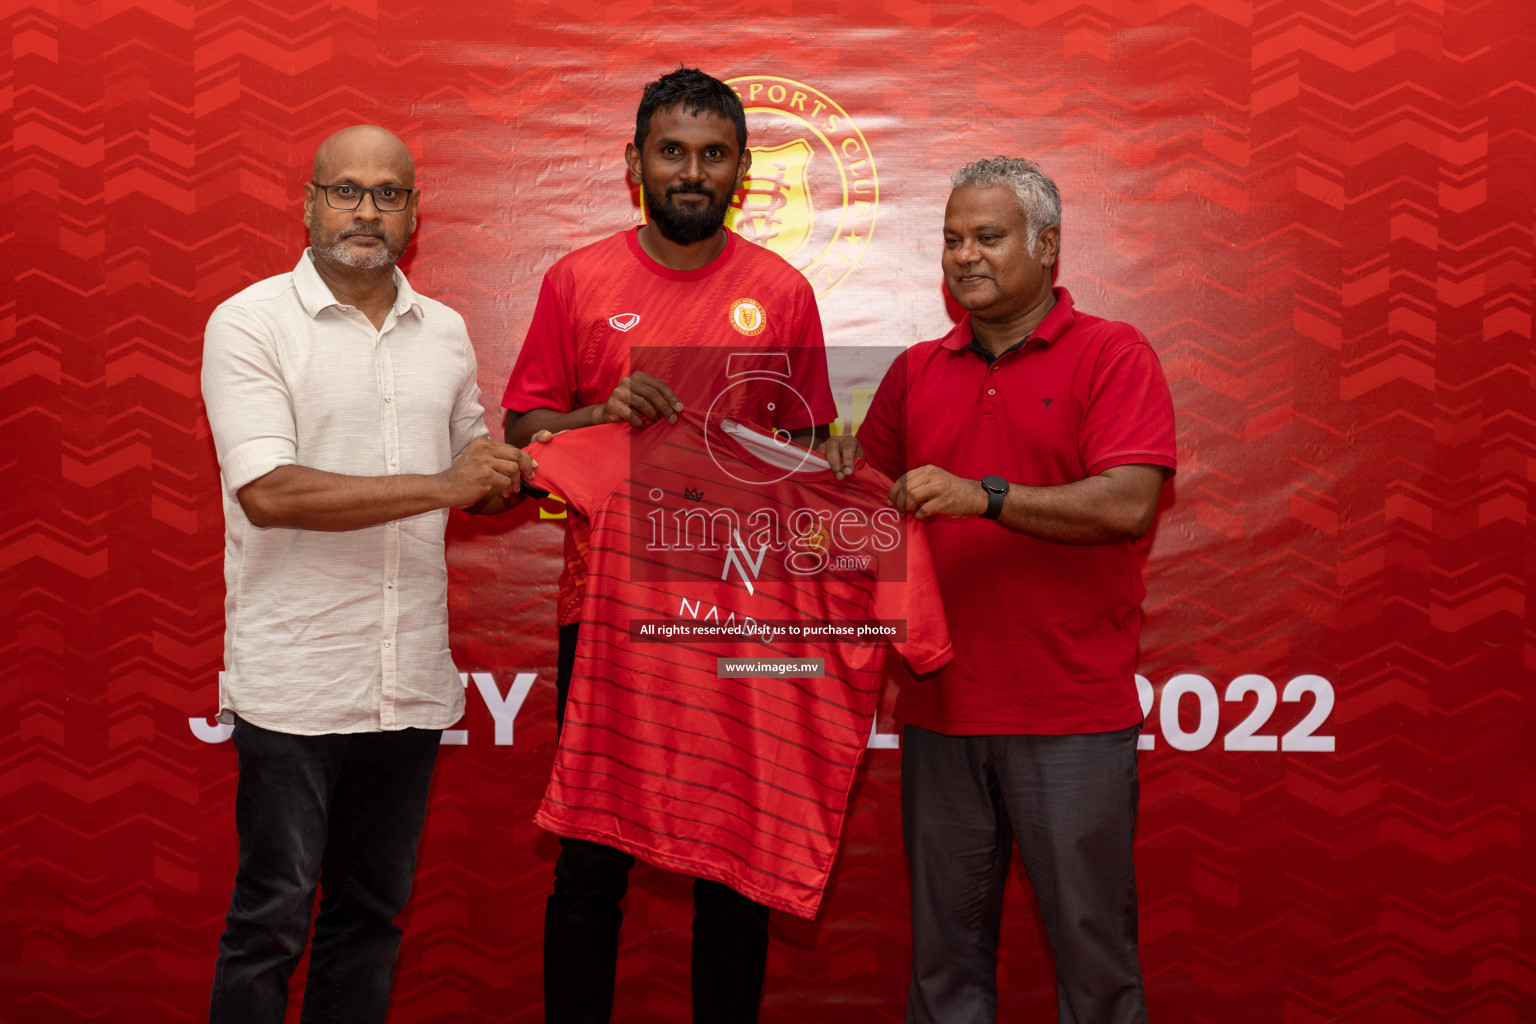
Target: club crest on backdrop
812,193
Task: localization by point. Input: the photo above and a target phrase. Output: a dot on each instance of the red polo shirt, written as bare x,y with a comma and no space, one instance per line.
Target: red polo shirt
1044,634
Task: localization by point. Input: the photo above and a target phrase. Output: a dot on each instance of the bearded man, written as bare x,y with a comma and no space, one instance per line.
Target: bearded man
347,422
631,328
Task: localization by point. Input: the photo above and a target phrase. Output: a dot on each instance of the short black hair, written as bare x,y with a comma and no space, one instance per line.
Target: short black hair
696,93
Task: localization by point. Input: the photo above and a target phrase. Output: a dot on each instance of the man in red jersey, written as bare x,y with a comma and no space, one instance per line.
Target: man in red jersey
1034,440
622,331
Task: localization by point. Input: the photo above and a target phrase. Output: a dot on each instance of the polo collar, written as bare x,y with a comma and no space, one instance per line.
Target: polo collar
315,295
1049,330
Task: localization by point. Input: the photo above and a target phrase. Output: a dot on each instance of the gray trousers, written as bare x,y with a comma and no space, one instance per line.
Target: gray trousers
1070,803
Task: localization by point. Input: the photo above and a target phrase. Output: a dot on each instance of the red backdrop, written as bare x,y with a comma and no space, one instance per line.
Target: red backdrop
1320,213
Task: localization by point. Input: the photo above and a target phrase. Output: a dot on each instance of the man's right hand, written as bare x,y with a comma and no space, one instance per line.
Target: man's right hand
639,400
483,467
842,452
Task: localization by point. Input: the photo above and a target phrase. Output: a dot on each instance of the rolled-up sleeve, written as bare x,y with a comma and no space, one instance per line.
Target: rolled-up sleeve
249,407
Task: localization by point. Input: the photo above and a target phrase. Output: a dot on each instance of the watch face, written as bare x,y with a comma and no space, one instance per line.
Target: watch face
995,484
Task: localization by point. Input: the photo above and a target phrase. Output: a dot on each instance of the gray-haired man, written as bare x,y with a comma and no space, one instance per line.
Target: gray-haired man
1034,439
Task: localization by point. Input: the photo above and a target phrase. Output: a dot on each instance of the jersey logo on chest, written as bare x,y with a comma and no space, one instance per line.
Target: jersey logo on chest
748,317
624,321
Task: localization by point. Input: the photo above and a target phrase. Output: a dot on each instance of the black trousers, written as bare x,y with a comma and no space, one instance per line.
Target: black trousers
584,914
1070,804
341,812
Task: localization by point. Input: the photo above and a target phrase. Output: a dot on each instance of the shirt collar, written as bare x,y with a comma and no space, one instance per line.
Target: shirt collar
632,240
315,295
1049,330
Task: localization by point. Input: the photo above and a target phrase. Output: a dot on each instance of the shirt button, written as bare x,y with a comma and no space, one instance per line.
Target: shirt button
388,644
991,391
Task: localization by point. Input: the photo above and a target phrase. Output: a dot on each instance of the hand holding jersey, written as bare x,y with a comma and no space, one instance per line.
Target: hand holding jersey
482,470
930,491
842,453
639,400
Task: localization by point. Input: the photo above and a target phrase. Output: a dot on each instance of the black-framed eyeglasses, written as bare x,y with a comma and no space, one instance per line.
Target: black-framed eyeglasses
386,198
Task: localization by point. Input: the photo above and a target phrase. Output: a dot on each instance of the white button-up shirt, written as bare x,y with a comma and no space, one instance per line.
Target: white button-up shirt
337,632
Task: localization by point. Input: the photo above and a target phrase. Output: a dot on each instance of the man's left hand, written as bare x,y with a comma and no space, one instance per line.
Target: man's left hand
929,491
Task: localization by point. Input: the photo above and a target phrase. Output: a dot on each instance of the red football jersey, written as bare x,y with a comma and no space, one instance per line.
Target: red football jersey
739,606
608,308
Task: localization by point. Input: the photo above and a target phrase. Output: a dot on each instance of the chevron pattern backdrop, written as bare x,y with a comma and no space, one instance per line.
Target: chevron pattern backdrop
1320,211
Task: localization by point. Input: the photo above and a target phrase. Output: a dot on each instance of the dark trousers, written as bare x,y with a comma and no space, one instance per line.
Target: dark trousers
341,811
1070,804
584,913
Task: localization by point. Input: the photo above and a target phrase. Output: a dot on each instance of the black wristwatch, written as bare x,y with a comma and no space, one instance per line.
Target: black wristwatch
997,491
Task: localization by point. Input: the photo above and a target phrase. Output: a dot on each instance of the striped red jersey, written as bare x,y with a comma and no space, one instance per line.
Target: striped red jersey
740,602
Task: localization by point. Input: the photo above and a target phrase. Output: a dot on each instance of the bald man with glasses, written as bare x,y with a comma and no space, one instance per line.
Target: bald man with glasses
347,422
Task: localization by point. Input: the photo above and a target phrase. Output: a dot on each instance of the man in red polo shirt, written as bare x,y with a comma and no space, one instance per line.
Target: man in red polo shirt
1034,439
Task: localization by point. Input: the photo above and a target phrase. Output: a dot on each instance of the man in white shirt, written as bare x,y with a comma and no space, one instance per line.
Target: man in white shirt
347,422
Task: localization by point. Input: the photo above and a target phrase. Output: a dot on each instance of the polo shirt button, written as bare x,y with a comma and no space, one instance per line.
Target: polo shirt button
992,391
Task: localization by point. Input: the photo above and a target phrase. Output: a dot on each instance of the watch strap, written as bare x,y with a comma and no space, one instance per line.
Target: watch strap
997,493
